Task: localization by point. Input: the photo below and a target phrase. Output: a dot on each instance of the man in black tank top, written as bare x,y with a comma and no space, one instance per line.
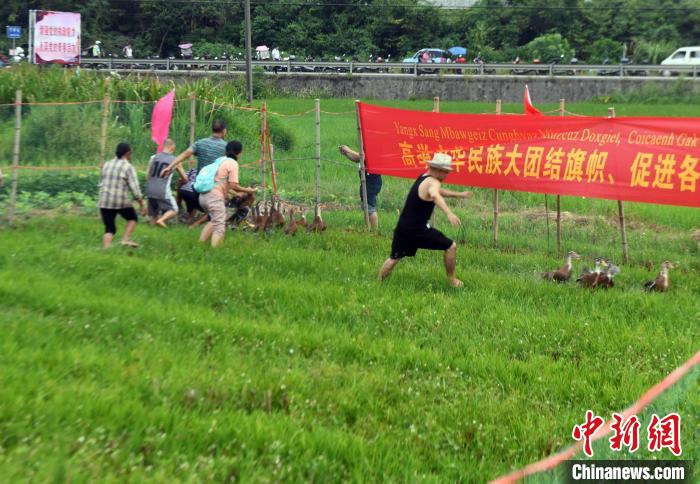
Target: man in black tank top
413,231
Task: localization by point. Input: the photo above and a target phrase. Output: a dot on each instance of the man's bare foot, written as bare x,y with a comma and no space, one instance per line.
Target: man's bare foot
161,224
454,282
129,243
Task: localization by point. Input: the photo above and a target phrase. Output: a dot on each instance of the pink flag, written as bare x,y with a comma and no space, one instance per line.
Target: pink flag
160,121
529,108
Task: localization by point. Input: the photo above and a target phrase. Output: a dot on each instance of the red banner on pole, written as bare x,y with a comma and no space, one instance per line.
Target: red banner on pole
654,160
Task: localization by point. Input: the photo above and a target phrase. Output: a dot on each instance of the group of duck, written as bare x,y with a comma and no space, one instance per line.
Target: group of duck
603,274
273,216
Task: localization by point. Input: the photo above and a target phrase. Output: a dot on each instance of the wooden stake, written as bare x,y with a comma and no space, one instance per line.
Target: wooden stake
105,123
263,140
15,155
561,113
495,194
363,170
273,171
193,111
318,156
546,215
558,224
436,109
621,212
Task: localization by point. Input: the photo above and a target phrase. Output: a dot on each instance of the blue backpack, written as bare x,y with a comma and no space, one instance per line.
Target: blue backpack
206,178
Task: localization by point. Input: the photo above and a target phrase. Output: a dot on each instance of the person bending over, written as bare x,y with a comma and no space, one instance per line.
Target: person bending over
161,204
214,201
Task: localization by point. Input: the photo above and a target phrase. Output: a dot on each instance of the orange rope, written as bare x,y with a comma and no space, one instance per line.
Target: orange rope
339,113
566,454
56,168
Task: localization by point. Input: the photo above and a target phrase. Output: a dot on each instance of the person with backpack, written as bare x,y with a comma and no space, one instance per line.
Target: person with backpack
214,183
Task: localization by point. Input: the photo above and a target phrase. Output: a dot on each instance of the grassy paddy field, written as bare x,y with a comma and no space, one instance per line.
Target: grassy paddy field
280,358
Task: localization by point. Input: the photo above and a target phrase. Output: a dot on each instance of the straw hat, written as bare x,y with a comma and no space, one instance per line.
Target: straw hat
441,161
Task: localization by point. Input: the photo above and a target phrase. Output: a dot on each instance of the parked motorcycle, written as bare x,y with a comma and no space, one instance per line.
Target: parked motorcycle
526,71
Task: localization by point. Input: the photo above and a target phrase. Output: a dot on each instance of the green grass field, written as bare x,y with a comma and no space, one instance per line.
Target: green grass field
283,359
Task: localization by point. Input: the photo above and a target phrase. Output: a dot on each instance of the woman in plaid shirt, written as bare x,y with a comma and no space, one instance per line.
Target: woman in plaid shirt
119,187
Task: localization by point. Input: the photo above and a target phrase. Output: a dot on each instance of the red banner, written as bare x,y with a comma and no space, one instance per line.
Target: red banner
654,160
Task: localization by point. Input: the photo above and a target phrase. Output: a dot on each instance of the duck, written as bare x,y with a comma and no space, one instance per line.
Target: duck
291,228
661,283
270,220
278,219
317,225
590,278
263,218
254,215
562,274
302,220
607,278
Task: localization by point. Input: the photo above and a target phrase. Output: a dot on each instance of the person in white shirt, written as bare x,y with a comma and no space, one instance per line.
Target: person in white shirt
276,54
128,51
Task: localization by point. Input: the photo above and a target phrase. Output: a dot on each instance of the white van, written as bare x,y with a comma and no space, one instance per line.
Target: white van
685,56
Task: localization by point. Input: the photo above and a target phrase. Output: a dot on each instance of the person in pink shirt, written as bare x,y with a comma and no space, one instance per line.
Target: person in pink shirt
214,201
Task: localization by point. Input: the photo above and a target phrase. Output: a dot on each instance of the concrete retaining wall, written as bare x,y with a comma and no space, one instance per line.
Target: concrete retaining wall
472,88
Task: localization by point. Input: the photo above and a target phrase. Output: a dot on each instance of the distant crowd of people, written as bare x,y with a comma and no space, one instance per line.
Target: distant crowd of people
214,184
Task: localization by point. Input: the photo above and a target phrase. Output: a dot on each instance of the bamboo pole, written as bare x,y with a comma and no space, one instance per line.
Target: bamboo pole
436,109
105,123
621,212
273,170
546,217
318,156
495,194
263,140
562,104
363,170
15,155
193,111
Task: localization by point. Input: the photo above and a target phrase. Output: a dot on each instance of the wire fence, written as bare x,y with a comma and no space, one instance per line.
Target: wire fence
63,145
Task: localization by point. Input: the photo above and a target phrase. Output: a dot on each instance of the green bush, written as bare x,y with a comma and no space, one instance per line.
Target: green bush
549,48
652,52
682,91
603,49
66,133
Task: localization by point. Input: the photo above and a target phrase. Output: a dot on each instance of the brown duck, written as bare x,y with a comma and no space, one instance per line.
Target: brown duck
562,274
302,220
607,277
590,278
661,283
270,219
291,228
317,225
262,221
279,220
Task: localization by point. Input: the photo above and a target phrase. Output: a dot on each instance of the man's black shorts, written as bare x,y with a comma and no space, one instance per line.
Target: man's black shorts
407,242
109,216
